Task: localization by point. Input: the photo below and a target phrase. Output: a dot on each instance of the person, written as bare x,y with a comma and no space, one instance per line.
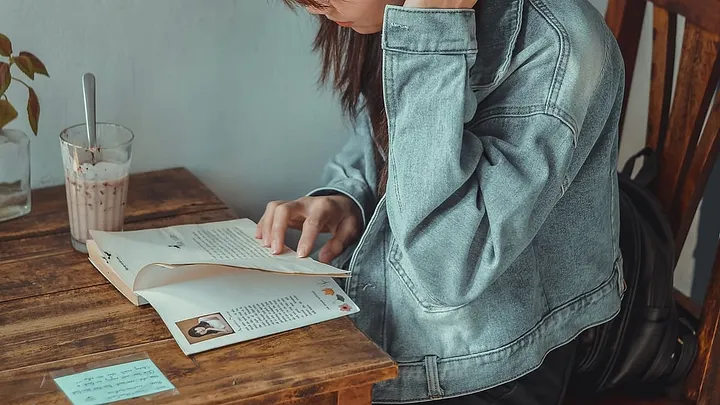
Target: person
476,201
210,324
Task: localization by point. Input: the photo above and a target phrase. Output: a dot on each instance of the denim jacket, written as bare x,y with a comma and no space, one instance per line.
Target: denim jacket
497,238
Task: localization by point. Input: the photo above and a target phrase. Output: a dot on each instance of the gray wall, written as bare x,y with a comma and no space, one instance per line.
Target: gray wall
225,88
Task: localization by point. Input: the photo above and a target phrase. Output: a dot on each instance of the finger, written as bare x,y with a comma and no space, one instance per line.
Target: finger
346,232
259,228
281,218
268,221
318,216
332,249
311,229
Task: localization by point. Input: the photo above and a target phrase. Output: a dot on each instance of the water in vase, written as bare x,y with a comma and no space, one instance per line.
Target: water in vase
14,174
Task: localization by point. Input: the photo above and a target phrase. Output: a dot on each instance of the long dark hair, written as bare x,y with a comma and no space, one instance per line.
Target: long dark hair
202,324
352,62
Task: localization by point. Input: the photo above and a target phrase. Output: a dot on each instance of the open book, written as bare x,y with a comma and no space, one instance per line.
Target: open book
214,284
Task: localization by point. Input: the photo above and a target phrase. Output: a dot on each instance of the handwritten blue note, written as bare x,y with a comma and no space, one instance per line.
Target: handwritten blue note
114,383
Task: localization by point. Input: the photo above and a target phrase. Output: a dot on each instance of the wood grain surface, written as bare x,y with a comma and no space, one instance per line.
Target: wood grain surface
58,312
63,267
151,195
318,359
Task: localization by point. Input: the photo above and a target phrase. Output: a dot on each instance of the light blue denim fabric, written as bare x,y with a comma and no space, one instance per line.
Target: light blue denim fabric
497,239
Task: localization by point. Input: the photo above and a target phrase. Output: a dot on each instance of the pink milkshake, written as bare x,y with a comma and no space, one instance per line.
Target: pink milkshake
96,197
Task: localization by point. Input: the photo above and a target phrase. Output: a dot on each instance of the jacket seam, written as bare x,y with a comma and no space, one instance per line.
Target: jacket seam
507,56
561,64
432,11
525,111
386,251
542,285
532,112
388,78
613,177
463,51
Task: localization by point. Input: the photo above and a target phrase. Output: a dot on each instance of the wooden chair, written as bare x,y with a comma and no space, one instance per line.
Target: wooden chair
685,131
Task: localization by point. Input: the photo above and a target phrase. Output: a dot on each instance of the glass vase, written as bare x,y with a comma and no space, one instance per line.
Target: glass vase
14,174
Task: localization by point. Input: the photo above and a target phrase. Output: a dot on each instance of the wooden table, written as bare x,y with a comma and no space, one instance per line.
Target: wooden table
57,311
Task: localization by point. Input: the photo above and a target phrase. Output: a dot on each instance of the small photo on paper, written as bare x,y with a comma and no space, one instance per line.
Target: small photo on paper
206,327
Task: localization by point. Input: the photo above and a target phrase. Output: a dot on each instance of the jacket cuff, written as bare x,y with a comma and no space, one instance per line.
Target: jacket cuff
420,30
354,189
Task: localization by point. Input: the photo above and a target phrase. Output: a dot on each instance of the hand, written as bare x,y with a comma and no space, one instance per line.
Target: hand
336,214
445,4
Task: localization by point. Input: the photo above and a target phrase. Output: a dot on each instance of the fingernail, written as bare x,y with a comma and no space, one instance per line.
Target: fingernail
301,252
275,247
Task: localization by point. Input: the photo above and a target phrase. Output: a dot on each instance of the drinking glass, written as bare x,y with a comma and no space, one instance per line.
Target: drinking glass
96,179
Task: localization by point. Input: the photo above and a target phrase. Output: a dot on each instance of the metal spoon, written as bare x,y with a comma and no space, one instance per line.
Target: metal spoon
90,123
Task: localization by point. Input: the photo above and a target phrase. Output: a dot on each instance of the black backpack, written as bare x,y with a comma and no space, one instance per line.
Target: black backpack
648,345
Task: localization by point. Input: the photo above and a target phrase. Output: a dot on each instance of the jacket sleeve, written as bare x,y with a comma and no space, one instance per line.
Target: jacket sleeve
345,173
462,204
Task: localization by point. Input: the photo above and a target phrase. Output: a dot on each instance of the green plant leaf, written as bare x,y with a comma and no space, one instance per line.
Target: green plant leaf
4,77
25,65
7,113
5,46
33,110
37,66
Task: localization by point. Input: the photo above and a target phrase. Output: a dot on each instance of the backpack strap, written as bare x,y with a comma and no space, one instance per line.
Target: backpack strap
649,170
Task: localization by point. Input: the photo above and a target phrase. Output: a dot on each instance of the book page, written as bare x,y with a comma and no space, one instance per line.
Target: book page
230,243
237,306
224,243
128,252
122,280
156,275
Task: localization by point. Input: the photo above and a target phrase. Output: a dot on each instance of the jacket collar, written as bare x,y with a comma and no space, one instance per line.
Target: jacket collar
498,26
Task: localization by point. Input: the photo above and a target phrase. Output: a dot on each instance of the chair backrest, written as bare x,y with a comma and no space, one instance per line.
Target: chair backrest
675,124
684,129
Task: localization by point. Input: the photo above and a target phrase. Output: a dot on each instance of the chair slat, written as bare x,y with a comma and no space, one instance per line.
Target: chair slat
703,13
696,83
701,166
625,18
703,384
661,77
